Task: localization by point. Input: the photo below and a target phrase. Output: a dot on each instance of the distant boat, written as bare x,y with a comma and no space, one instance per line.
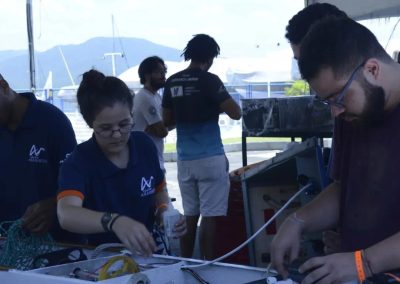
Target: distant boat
68,93
46,93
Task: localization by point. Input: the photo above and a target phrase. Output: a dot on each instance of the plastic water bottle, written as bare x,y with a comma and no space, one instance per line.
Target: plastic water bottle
170,217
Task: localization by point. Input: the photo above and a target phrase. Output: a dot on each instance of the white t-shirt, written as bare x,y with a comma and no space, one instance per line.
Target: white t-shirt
147,111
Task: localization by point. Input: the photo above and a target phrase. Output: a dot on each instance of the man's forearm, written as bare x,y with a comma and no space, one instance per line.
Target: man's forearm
323,211
157,129
385,255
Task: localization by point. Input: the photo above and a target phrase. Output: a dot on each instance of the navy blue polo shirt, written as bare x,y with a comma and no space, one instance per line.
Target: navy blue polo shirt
30,157
88,174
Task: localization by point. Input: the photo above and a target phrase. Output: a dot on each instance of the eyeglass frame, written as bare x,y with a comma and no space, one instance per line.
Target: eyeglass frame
121,130
338,102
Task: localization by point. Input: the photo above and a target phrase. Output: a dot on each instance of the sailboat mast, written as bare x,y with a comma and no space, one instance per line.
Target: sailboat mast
113,54
32,71
113,32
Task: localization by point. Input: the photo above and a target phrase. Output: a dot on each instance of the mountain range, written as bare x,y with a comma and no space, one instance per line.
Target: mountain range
14,64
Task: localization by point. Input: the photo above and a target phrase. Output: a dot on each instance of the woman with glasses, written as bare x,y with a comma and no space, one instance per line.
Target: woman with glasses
111,187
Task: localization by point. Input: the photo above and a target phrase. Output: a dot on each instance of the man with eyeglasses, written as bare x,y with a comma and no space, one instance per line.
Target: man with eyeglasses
147,103
35,138
348,69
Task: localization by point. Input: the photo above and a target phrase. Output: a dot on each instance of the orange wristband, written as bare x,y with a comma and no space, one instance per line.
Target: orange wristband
359,266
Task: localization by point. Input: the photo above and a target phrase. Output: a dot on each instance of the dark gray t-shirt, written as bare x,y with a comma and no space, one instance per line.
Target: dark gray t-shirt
194,96
366,161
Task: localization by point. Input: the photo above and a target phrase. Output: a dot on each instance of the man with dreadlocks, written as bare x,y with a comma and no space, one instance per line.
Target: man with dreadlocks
192,101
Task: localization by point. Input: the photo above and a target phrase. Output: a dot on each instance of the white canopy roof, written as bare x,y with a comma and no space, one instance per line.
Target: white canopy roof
233,71
365,9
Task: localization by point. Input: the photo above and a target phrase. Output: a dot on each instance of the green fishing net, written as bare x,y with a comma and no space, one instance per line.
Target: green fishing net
20,247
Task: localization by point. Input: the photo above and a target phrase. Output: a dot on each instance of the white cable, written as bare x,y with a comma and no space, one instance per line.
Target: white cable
101,248
254,235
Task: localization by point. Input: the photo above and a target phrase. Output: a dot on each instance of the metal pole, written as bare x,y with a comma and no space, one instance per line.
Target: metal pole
29,24
113,54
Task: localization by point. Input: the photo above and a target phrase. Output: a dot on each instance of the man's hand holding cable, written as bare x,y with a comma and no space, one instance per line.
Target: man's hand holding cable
334,268
285,246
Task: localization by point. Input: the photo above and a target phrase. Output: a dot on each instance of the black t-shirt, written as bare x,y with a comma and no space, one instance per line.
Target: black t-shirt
194,96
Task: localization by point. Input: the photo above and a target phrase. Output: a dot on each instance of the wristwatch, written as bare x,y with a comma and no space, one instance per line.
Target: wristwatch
105,220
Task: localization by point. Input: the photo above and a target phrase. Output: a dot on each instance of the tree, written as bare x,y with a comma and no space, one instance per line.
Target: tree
299,88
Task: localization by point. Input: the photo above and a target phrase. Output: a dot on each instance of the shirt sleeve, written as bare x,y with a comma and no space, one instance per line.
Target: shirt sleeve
216,90
149,109
61,143
64,139
160,182
71,179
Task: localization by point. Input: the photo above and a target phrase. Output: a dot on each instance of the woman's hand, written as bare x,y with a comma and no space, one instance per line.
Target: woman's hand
134,235
180,228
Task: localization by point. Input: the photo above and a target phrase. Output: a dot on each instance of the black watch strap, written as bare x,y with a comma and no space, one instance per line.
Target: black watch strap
113,221
105,220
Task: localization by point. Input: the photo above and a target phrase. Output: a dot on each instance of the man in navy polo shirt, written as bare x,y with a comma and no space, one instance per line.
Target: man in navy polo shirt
35,137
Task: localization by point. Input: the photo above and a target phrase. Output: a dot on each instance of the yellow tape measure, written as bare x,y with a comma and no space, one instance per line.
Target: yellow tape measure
128,266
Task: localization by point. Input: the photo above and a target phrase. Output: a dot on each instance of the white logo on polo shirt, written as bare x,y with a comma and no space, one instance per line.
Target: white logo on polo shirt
34,154
146,186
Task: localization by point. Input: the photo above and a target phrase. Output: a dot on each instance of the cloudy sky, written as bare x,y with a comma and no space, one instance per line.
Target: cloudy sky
243,28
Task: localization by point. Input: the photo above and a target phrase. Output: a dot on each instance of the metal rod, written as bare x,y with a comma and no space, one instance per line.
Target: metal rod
29,24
